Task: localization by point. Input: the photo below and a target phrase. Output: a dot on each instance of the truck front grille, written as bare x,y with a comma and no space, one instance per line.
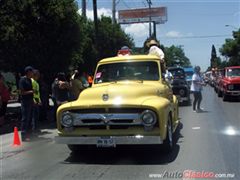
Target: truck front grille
108,118
236,87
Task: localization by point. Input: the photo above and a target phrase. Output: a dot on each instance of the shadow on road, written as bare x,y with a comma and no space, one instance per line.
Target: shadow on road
233,100
127,155
203,111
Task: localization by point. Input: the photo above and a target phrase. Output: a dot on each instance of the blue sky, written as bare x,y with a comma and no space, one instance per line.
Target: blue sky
191,24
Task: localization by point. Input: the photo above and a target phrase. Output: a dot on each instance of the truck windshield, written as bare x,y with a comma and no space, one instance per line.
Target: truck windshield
233,72
127,71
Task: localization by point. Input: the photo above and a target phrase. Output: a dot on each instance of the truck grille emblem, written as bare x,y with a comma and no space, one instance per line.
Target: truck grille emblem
105,97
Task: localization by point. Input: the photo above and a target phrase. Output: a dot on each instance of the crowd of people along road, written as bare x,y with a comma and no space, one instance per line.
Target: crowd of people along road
34,97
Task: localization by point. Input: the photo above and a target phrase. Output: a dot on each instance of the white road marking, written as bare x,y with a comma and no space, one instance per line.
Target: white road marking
195,128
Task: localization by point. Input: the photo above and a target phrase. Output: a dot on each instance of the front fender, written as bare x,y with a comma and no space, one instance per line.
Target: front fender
162,107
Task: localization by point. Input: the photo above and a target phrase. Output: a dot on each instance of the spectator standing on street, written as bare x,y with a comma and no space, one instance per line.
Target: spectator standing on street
90,80
26,92
84,80
4,97
168,76
60,89
196,88
76,86
36,100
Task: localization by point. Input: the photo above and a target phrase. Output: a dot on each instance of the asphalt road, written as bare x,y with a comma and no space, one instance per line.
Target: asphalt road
205,142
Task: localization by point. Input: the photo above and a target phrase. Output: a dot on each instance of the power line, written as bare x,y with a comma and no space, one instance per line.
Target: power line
125,4
196,37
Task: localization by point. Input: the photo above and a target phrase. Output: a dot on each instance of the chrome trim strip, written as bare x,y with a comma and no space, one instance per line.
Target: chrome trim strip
119,140
106,119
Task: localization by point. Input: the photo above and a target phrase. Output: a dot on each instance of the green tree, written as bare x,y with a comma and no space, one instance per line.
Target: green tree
215,61
106,43
231,49
175,55
46,34
111,38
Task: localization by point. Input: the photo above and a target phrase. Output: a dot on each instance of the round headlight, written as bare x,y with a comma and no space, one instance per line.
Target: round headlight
67,120
230,87
148,118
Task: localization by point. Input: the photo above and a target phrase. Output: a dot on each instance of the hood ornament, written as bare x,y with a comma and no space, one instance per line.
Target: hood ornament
105,97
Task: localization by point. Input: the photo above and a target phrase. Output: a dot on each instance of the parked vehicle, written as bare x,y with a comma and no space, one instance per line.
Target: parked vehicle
179,84
218,76
189,71
229,83
207,76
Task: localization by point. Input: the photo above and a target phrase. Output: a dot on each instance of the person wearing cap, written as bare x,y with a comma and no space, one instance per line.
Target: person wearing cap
26,93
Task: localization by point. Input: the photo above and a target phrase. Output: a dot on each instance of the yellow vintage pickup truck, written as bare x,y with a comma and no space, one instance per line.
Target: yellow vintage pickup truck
129,103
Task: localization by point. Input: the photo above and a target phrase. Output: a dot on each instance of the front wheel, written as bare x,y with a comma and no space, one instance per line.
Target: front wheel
77,148
219,93
168,142
225,97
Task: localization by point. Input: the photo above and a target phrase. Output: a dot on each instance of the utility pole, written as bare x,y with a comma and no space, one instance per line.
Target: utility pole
95,17
84,8
150,18
113,11
154,30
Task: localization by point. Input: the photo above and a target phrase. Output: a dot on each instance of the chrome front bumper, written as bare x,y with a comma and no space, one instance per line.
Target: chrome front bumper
181,99
119,140
233,93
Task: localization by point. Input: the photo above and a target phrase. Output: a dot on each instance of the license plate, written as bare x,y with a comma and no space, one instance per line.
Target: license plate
106,142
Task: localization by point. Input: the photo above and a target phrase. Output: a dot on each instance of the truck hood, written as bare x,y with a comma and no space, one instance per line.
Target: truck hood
234,80
119,93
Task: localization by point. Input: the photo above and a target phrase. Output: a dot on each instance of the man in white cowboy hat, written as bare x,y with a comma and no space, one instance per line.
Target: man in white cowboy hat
155,50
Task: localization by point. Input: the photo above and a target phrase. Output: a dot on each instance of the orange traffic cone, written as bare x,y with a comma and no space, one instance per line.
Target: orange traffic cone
16,139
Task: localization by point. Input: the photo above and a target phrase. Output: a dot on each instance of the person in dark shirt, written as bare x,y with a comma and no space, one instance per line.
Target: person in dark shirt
60,91
26,92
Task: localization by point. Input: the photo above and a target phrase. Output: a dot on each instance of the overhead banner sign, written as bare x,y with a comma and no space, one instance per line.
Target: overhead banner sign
157,15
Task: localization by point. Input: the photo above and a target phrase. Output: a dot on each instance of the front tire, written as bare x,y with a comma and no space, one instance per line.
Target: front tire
77,148
219,93
168,142
225,97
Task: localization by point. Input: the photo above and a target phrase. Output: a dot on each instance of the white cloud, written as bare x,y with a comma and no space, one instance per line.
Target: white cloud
101,11
189,34
137,30
173,34
236,13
